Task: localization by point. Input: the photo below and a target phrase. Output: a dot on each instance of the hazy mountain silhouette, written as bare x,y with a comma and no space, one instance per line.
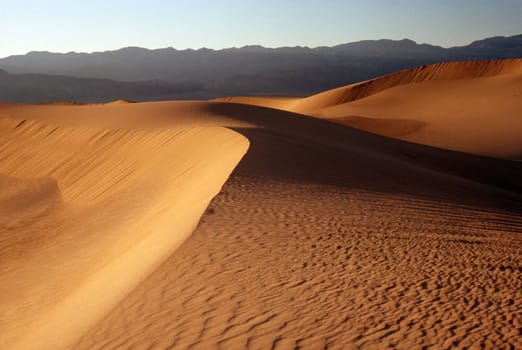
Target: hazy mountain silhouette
206,73
41,88
497,44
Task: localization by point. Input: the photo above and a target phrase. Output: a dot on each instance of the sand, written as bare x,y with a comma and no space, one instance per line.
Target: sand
472,107
87,214
323,236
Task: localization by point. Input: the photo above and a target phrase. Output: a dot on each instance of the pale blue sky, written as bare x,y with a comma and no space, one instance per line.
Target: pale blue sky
97,25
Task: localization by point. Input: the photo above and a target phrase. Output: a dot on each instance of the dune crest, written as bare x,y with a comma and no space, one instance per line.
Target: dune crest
433,72
119,102
87,214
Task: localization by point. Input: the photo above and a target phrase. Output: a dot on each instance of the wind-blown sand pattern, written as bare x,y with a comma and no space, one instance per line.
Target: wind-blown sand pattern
324,236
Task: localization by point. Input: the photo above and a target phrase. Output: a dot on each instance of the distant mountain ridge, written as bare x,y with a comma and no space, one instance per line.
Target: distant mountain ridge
41,88
250,70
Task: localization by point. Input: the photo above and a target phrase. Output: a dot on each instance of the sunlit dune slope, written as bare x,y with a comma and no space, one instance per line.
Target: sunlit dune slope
473,107
435,72
86,214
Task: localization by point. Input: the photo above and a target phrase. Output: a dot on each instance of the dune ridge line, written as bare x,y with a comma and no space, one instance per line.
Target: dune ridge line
107,208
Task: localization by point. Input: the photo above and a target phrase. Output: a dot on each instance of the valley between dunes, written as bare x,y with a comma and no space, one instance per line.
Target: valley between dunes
384,214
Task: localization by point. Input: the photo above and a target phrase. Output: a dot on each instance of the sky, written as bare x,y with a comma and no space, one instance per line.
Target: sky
99,25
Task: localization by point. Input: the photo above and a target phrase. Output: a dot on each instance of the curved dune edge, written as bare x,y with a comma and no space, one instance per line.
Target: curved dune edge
473,107
106,208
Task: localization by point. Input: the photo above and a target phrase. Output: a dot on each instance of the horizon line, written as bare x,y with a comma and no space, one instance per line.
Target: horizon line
250,45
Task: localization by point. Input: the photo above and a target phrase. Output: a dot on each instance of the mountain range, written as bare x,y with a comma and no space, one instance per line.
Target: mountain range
141,74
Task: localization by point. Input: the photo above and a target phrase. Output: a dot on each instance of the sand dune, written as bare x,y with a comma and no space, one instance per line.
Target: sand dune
473,107
336,238
324,236
436,72
86,214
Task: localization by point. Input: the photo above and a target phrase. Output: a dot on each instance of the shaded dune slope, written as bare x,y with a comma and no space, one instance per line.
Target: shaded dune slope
86,214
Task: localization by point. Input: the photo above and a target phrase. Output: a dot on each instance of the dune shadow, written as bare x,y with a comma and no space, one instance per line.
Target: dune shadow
291,147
